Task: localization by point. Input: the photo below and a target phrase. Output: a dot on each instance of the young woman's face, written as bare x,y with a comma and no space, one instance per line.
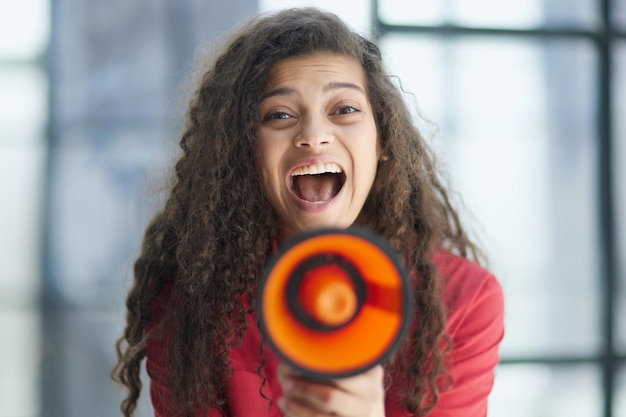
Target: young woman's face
317,141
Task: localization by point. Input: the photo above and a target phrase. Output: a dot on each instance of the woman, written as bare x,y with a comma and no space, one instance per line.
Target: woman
294,127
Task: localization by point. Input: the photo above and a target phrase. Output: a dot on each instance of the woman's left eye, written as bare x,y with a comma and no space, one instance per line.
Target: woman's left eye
276,115
346,110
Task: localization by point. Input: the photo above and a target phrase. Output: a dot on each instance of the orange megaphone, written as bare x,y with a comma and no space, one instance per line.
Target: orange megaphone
334,302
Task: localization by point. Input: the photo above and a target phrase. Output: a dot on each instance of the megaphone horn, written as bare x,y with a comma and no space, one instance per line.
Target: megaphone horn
335,302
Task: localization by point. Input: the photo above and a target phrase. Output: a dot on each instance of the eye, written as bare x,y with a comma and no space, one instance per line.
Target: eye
277,115
346,109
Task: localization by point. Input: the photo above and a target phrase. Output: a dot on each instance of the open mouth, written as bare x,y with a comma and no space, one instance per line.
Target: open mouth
317,183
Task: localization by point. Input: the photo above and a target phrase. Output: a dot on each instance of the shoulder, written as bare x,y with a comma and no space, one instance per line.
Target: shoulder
475,326
471,293
459,273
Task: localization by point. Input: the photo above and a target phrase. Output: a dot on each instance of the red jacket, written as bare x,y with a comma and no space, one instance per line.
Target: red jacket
475,306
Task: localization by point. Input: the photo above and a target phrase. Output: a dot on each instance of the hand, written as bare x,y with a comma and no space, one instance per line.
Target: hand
362,395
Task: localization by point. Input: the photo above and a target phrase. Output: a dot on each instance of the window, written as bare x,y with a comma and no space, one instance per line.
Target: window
524,97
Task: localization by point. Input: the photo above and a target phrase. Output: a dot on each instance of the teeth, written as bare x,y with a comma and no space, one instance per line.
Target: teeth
317,169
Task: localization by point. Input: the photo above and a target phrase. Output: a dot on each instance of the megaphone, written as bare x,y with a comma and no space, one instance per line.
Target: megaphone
334,302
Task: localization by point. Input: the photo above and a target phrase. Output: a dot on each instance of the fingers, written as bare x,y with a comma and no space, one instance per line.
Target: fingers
360,395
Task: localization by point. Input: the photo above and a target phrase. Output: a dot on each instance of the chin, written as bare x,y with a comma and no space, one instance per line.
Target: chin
325,224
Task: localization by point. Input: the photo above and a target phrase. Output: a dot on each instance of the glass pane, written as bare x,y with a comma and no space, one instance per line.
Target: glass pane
489,13
516,124
19,362
23,104
620,396
21,182
543,390
23,116
23,28
79,357
107,69
619,13
100,196
355,13
619,164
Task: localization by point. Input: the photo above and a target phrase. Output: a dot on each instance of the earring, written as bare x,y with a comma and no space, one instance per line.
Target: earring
384,158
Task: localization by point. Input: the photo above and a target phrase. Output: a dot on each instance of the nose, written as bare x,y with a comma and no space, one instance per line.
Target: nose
315,131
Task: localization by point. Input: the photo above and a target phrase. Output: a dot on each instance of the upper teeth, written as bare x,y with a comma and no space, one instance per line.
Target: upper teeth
317,169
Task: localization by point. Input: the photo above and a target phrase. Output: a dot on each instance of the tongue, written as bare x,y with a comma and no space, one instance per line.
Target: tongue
316,188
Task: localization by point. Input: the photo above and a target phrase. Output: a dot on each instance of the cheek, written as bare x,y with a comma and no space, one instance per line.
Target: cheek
269,157
264,167
264,174
268,172
371,132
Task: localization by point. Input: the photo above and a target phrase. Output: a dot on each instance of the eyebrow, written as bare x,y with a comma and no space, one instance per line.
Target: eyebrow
328,87
338,85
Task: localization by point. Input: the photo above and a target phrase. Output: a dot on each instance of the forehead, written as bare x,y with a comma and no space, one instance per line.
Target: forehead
321,65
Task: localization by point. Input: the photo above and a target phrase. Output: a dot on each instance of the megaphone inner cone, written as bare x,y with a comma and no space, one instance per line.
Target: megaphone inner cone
329,299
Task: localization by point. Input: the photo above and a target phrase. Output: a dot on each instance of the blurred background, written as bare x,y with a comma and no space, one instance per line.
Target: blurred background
524,99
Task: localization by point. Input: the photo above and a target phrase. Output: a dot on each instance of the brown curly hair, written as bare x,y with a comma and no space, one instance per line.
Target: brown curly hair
214,233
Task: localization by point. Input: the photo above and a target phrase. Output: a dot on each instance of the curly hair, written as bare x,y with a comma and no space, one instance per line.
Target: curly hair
213,235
